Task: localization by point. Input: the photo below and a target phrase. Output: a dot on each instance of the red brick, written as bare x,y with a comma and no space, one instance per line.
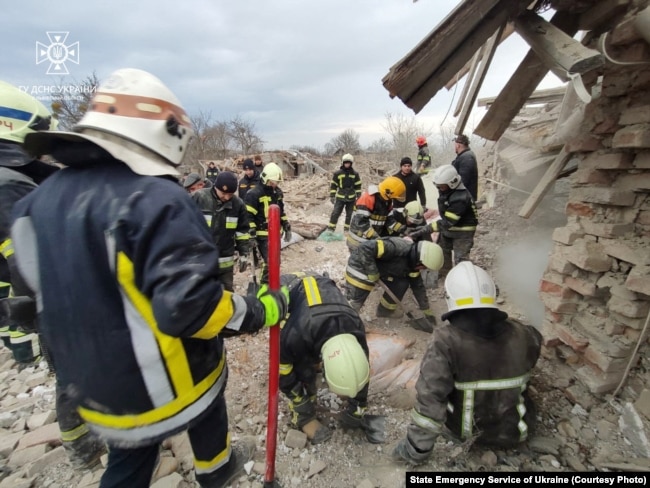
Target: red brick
604,362
602,195
635,115
642,160
571,337
639,280
637,135
583,287
584,143
557,304
629,308
606,230
580,209
607,160
588,176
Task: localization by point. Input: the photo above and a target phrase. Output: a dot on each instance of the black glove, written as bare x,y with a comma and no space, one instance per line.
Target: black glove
419,232
287,231
275,303
243,262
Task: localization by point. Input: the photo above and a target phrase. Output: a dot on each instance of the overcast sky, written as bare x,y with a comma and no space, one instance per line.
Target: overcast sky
302,71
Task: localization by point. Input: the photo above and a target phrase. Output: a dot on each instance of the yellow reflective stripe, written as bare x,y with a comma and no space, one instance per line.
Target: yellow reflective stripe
252,210
502,384
221,315
425,422
388,305
380,248
216,462
74,434
359,284
158,414
470,301
311,291
285,369
7,248
468,414
169,346
465,228
452,216
414,274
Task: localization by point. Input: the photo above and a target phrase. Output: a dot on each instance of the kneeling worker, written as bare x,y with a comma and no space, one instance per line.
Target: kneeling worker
323,327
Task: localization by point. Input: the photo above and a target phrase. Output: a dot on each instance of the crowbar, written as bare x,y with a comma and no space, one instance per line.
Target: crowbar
417,323
274,350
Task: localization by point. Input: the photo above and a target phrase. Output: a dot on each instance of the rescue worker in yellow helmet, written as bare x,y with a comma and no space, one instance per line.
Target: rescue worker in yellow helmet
258,200
474,374
397,262
115,237
373,212
20,174
323,327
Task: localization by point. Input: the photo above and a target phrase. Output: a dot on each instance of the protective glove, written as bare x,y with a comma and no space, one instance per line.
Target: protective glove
419,232
287,231
243,262
275,303
373,426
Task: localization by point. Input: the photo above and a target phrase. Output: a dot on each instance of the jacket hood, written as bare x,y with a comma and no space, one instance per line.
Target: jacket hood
482,322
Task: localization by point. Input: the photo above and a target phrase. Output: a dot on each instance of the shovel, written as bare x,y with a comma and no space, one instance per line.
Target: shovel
417,323
253,286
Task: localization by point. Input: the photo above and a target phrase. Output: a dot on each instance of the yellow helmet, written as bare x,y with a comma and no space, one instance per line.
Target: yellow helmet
392,188
345,365
430,255
271,172
21,114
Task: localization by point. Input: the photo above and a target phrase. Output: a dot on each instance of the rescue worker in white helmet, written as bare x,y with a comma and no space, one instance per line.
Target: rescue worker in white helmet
345,189
475,372
457,220
397,262
323,327
373,212
258,200
20,174
117,240
228,220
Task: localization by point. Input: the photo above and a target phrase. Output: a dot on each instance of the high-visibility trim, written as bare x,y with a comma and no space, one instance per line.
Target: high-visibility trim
502,384
74,434
285,369
462,229
462,302
359,284
154,348
229,312
242,236
521,425
426,423
231,222
413,274
252,210
220,460
451,216
311,291
467,417
7,248
380,248
388,305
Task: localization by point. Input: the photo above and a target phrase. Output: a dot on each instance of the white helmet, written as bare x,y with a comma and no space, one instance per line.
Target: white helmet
271,172
468,286
347,158
414,213
345,365
430,254
136,119
21,114
447,175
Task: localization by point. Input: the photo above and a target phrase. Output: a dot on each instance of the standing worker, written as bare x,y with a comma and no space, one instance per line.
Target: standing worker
122,262
228,221
212,172
457,220
424,158
413,183
258,200
250,180
474,374
20,174
465,164
373,214
322,327
345,188
397,262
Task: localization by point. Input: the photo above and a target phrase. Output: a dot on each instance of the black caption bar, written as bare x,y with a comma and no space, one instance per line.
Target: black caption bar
423,478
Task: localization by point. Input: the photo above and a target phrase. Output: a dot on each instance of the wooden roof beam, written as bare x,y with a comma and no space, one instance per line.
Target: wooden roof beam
521,86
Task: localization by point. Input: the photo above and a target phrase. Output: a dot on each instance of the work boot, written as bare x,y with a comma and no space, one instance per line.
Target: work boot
390,314
404,452
84,452
242,452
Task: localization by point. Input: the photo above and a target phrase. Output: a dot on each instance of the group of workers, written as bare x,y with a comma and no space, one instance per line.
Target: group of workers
148,272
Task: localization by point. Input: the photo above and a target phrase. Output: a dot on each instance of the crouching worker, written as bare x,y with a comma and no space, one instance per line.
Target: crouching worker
474,374
323,327
397,262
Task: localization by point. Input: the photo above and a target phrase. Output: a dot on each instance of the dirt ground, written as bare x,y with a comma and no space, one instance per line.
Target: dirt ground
575,432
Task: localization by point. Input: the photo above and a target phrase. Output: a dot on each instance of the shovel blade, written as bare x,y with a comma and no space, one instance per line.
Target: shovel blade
421,324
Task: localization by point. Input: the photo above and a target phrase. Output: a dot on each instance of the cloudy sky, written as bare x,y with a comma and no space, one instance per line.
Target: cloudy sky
301,71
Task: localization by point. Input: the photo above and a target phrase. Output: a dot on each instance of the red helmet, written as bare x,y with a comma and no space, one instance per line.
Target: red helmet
420,140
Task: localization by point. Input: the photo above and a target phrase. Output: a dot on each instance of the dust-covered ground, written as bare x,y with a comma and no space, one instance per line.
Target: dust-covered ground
576,431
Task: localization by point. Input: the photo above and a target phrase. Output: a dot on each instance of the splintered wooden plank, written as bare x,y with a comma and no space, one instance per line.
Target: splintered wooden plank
545,184
472,72
555,47
490,48
520,87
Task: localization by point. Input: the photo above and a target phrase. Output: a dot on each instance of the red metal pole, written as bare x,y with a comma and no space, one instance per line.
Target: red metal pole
274,348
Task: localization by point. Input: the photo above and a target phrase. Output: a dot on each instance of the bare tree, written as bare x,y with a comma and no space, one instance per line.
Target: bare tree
71,102
244,135
383,148
403,131
346,142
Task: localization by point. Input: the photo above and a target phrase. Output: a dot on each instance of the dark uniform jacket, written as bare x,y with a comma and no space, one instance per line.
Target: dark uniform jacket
465,164
125,274
372,218
258,200
457,212
318,311
228,222
424,160
211,174
414,189
246,184
473,379
345,184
